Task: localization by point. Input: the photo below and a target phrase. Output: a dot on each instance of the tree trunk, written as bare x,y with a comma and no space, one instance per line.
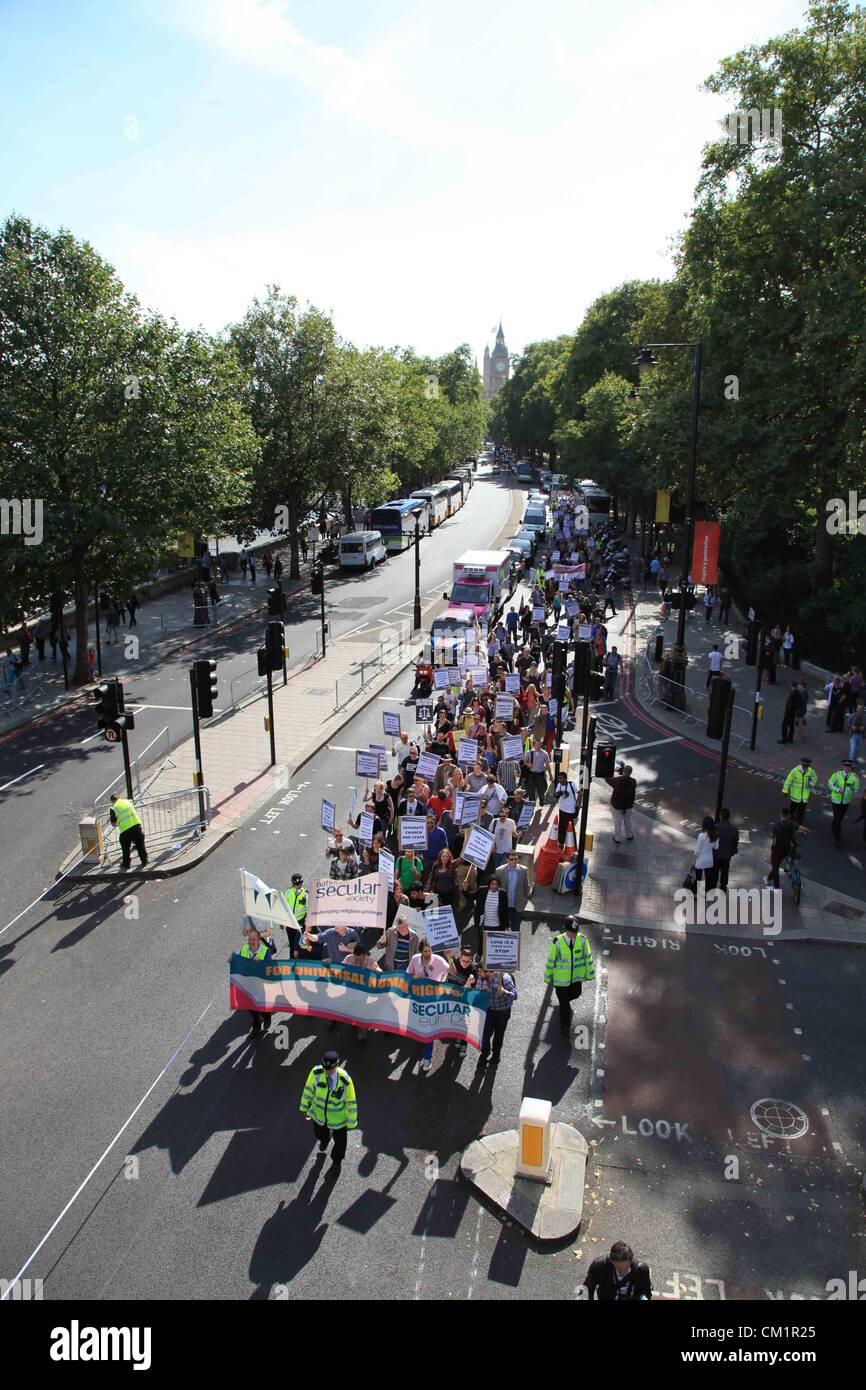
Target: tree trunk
346,495
81,594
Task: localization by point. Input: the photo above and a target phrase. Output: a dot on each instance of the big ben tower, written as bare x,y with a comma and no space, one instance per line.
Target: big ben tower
496,366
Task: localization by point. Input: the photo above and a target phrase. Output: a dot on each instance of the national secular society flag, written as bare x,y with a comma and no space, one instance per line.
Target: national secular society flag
266,904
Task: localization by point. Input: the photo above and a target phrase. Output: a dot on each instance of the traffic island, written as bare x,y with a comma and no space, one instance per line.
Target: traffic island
549,1207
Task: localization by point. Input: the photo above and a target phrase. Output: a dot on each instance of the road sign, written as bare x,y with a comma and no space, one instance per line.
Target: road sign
112,735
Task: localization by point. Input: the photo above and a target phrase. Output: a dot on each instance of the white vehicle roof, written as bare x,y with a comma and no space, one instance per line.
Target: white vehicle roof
482,558
361,536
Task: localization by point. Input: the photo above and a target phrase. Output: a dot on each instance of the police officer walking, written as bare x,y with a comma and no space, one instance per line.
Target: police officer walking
296,900
129,832
844,786
798,786
569,963
329,1101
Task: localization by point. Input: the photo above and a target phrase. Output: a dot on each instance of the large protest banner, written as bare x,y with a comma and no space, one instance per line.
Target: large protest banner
266,904
393,1003
353,902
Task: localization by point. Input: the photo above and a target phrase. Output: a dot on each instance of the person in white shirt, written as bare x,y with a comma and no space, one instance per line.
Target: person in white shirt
568,797
427,966
705,863
504,834
495,793
714,664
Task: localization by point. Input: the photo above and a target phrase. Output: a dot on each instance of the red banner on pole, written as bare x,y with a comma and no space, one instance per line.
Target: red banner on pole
705,555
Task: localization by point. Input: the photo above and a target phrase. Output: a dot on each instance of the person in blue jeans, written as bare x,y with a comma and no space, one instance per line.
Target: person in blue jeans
427,966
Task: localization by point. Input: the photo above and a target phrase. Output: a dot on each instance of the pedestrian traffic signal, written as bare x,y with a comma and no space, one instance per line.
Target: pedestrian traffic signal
719,687
108,702
317,579
580,674
205,687
276,602
263,661
752,634
274,640
605,759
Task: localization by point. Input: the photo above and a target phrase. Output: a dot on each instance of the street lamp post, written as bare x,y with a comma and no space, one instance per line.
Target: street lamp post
416,615
644,363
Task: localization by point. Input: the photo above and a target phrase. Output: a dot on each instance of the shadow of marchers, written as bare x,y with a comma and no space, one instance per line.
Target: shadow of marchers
291,1238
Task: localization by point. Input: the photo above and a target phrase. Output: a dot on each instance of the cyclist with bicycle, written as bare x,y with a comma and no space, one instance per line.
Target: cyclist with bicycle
785,832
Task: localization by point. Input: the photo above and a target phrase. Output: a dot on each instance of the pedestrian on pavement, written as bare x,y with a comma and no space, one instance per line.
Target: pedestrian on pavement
206,564
304,543
427,966
622,797
726,846
709,605
769,660
244,561
252,568
792,708
278,570
514,883
224,570
800,723
783,837
268,562
133,605
724,606
618,1276
856,730
25,643
705,845
844,785
91,662
798,786
502,992
39,636
258,946
787,645
124,816
568,799
112,623
14,677
329,1101
714,663
611,671
296,902
569,964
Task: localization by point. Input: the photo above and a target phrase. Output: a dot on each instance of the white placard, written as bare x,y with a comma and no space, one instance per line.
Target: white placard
512,684
327,815
555,556
572,608
427,765
467,751
470,808
390,723
502,950
512,746
538,615
423,711
504,707
440,928
479,676
478,847
552,705
412,832
386,865
458,806
550,574
383,755
527,811
563,632
453,675
440,678
366,764
365,828
548,680
584,632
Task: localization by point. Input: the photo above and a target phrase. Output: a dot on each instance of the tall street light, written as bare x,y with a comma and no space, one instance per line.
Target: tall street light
416,616
645,363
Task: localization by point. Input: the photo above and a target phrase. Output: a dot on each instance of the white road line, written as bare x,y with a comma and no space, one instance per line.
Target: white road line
139,709
90,738
77,1193
21,778
636,747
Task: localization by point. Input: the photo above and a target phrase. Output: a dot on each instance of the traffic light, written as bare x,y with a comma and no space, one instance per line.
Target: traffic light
581,668
719,687
263,661
557,685
605,760
317,579
274,640
108,703
205,687
752,644
276,602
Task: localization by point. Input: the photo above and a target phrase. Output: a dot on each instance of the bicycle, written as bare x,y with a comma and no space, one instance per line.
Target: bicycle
790,867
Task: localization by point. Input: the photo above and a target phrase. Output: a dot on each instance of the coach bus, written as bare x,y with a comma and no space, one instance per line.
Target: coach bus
396,521
437,501
595,499
455,494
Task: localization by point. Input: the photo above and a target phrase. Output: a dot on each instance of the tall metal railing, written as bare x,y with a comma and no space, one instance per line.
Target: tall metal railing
691,705
158,749
245,684
166,817
365,671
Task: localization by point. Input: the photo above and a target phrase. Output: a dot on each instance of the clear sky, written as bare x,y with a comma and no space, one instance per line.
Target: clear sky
418,167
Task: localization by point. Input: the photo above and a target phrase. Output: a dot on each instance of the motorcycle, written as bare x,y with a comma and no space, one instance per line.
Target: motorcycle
423,680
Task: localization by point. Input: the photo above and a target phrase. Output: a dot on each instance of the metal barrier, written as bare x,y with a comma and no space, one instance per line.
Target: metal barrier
158,748
166,817
247,683
691,705
366,671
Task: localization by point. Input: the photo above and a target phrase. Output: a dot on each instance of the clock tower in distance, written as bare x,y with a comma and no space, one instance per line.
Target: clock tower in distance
497,367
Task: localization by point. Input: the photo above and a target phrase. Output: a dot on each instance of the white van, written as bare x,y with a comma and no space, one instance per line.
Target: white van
362,549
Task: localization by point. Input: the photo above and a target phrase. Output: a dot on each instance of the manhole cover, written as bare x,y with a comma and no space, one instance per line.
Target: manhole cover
780,1118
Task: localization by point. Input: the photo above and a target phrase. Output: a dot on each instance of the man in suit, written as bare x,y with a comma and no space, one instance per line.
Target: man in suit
514,883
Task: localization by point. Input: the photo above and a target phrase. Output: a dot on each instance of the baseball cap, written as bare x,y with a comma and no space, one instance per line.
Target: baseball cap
331,1059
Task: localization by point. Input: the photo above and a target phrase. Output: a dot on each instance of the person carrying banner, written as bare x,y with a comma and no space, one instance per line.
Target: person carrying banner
427,966
258,946
502,991
296,902
329,1101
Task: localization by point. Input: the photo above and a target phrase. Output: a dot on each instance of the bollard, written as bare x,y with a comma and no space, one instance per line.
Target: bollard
659,647
533,1151
90,832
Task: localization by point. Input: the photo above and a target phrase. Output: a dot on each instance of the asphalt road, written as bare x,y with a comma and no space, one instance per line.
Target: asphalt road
118,1029
39,814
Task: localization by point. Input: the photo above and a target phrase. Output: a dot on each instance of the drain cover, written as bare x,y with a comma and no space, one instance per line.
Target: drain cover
780,1118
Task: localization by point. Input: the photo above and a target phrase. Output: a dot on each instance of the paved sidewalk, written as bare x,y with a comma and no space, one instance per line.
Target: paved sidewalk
164,625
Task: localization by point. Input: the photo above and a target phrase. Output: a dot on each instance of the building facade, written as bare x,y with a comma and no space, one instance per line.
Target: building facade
497,367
